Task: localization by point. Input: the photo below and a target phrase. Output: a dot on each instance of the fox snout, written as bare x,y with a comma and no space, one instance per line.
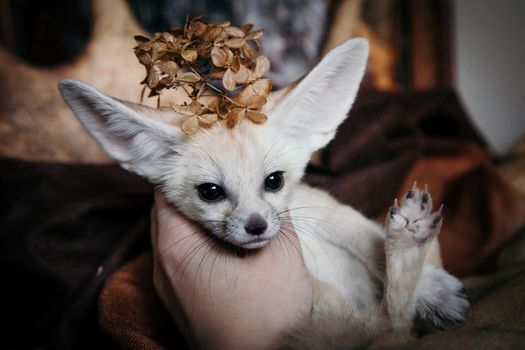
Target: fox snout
255,225
252,228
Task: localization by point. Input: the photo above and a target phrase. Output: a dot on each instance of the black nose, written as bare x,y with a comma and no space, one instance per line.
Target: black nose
255,225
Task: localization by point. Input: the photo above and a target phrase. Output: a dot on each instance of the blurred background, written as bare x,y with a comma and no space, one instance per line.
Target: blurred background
474,46
489,66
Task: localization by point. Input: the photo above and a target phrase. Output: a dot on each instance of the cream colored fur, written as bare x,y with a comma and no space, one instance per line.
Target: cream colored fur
369,278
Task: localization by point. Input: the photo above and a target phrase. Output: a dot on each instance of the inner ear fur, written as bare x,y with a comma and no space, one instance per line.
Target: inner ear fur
138,137
311,111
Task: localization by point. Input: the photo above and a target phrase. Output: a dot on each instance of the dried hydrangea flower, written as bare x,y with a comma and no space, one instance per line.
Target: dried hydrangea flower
217,61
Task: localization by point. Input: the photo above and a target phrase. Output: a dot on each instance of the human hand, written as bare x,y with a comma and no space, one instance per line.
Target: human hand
222,300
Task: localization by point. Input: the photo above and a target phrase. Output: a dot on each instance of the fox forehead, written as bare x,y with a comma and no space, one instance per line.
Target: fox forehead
246,153
234,158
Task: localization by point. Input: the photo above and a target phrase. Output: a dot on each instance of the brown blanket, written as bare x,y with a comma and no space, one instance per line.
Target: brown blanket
496,319
63,230
66,228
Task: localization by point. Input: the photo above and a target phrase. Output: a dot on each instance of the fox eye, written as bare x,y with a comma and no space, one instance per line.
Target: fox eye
210,192
274,182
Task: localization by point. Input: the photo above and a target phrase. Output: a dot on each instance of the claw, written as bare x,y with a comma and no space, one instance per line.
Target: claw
440,209
392,212
426,188
438,323
414,186
457,321
394,209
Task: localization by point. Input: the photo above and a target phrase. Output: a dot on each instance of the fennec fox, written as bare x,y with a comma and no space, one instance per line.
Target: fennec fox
240,182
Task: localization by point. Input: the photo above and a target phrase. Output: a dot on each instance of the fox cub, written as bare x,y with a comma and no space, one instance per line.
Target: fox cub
372,278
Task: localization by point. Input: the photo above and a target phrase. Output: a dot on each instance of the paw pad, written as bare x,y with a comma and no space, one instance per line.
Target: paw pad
414,216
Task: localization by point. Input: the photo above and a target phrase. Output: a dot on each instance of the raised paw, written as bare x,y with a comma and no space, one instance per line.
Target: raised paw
413,218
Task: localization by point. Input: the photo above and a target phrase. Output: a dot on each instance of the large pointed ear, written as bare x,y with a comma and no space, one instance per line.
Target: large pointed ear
313,110
132,134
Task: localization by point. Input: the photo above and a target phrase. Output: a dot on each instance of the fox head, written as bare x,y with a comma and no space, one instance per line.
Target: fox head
235,182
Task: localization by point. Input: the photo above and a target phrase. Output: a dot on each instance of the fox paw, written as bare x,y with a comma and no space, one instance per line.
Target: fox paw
441,298
413,219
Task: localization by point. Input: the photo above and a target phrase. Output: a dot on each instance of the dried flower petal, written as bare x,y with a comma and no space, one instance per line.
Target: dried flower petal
217,75
141,39
168,67
208,118
256,117
235,116
198,28
195,107
230,55
188,77
218,106
261,87
235,43
255,102
165,81
255,35
212,33
213,103
219,56
236,63
157,50
234,32
167,37
204,50
247,27
242,75
190,125
144,57
184,110
189,55
228,80
249,52
262,65
153,78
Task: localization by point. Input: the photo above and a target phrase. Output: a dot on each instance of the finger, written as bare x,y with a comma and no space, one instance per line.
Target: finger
163,207
176,236
169,220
